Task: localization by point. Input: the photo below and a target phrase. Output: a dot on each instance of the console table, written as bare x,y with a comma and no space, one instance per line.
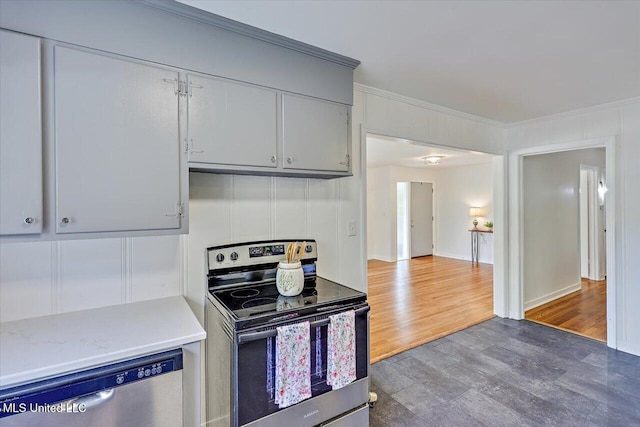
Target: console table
474,242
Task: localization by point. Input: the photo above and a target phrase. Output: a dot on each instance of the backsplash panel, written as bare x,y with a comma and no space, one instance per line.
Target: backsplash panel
91,273
27,280
41,278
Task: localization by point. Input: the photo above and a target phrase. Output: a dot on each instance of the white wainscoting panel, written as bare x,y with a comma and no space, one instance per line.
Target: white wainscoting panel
41,278
603,123
322,217
290,214
26,271
569,128
92,273
251,208
155,267
233,208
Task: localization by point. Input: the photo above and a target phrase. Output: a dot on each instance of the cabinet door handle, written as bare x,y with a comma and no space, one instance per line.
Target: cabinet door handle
29,220
65,220
289,160
274,159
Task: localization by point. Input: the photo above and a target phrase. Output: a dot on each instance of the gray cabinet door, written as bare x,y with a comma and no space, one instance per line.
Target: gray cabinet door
117,144
231,123
315,134
20,135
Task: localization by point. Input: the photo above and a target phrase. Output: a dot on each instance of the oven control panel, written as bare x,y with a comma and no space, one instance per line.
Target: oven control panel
267,250
247,254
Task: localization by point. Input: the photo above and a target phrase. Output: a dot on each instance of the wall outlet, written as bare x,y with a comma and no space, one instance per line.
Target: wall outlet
352,229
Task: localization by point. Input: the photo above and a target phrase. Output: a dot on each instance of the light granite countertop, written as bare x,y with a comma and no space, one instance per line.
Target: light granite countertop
42,347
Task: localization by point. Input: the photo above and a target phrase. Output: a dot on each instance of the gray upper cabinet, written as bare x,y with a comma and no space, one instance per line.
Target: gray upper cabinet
20,135
231,123
117,144
241,128
315,134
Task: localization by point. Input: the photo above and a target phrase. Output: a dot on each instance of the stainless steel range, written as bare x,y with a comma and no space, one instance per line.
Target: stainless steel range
243,311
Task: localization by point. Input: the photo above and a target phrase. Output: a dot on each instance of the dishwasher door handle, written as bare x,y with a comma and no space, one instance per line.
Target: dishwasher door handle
92,400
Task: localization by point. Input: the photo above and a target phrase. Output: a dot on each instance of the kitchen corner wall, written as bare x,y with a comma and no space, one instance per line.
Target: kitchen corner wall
455,190
622,120
40,278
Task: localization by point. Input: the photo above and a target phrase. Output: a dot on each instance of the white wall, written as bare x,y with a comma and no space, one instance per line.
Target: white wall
551,207
237,208
379,211
621,120
455,190
459,188
41,278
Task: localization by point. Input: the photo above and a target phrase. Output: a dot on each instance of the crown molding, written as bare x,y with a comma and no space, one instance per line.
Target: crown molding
586,110
408,100
209,18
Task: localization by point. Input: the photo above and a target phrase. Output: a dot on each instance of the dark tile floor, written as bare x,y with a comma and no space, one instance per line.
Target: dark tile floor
508,373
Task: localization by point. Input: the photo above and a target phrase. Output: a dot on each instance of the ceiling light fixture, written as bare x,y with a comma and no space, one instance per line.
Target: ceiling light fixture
432,160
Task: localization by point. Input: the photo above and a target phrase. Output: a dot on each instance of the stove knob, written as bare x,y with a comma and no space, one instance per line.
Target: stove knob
308,249
234,256
220,257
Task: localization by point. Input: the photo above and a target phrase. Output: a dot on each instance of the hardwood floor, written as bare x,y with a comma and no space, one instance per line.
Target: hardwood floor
583,312
423,299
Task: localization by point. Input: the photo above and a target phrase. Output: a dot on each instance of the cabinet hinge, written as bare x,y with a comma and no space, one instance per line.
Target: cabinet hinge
178,212
188,147
177,85
347,161
187,88
180,87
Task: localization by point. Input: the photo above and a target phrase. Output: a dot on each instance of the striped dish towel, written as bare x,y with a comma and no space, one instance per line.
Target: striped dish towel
341,349
293,364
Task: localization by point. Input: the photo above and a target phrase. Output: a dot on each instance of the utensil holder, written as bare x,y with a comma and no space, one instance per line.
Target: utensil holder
290,279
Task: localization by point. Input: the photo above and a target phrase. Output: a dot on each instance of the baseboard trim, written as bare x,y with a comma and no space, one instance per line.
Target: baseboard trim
381,258
462,257
528,305
630,348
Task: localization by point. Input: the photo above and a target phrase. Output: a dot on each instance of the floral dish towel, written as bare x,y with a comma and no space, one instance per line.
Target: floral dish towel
341,349
293,364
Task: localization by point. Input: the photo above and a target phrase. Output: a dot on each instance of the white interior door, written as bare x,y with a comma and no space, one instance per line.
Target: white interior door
421,219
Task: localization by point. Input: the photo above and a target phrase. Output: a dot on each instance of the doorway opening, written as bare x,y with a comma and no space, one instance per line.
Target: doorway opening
564,259
422,282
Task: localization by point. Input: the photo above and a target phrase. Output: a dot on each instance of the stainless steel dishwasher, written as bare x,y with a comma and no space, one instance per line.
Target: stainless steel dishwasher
145,391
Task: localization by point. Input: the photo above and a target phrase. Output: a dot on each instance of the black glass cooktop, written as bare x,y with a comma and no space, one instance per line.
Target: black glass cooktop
247,301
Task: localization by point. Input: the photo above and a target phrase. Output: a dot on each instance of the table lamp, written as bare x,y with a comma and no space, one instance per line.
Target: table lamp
475,212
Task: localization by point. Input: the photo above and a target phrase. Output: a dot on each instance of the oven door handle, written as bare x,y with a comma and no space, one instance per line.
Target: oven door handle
260,335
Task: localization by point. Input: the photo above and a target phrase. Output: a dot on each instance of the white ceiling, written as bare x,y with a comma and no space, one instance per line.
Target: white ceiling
385,151
503,60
